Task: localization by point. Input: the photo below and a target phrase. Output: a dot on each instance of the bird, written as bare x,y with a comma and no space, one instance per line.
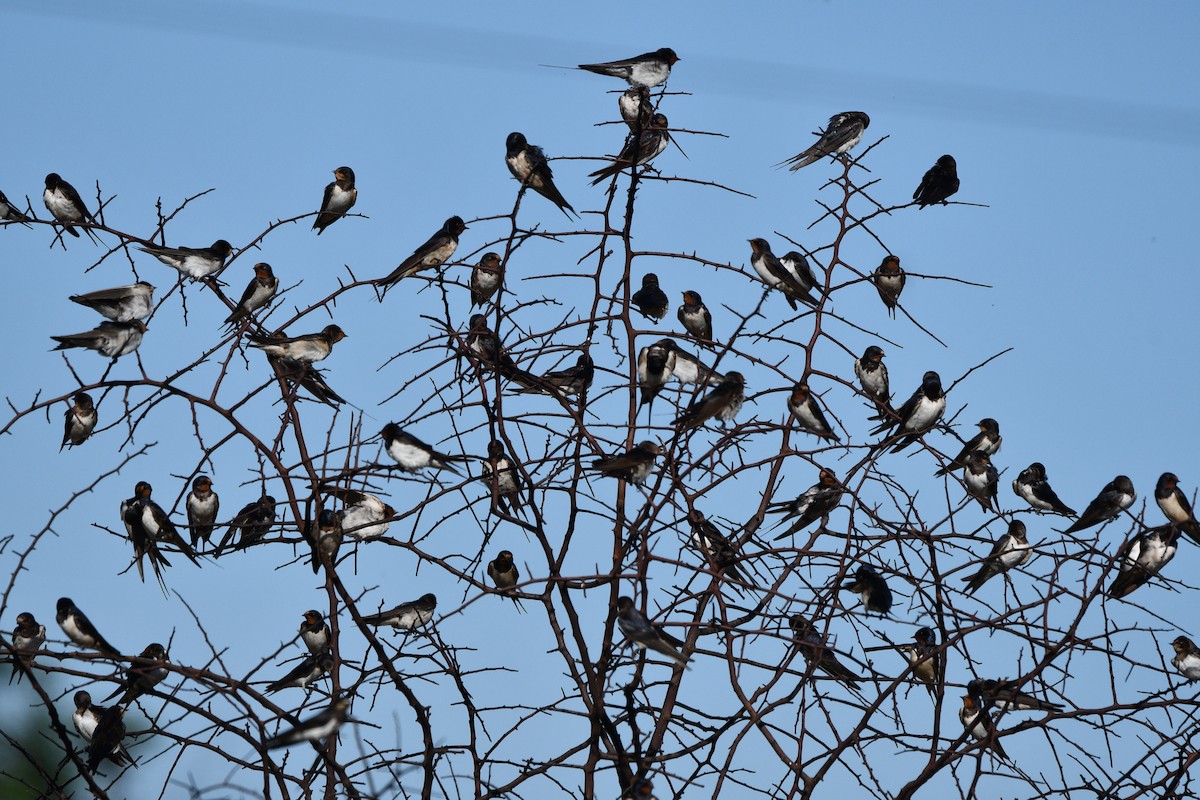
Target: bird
1187,657
982,479
500,473
872,376
655,365
314,632
365,516
635,107
324,536
843,132
504,574
650,301
987,441
412,454
917,416
695,316
635,465
79,421
528,164
111,339
120,303
306,349
722,403
157,524
65,204
435,252
10,213
28,637
1143,557
143,543
816,502
638,150
939,183
88,718
817,654
797,264
872,588
775,275
146,672
252,523
1175,505
978,723
306,672
259,291
567,382
194,262
889,282
1115,497
483,347
925,658
647,70
486,278
406,616
640,789
688,369
340,196
643,635
721,553
1032,487
1010,551
320,726
1004,695
805,409
202,505
80,630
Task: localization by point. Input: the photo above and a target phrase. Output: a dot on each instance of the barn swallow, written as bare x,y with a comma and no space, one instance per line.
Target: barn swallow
157,524
65,204
978,723
252,523
656,364
807,413
88,718
842,133
924,656
406,616
640,789
635,106
775,275
195,262
485,350
635,465
486,278
638,150
146,672
80,630
721,553
982,479
324,536
528,164
111,339
1143,557
202,505
1004,695
306,349
651,301
647,70
314,632
1032,487
566,382
818,654
872,376
722,403
1114,498
10,213
689,369
987,441
1011,550
939,183
435,252
797,264
1175,505
501,474
321,726
364,516
79,421
412,454
504,573
695,316
139,537
307,671
338,199
1187,657
816,502
872,588
918,414
889,282
121,303
642,634
28,637
259,291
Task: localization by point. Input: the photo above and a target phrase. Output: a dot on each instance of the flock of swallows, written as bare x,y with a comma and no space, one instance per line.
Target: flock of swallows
365,517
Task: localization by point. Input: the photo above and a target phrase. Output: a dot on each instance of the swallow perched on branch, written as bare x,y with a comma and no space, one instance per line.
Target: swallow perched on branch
638,150
79,421
1032,487
259,291
647,70
321,726
642,634
1175,505
435,252
406,616
939,183
528,164
111,339
65,204
339,197
722,403
635,465
1010,551
889,281
80,630
195,262
121,303
816,502
805,409
650,301
987,441
1115,497
843,132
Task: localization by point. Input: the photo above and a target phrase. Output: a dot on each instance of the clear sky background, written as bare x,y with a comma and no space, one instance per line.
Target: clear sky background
1078,125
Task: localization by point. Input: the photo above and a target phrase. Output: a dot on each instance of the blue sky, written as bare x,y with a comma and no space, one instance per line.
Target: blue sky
1077,125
